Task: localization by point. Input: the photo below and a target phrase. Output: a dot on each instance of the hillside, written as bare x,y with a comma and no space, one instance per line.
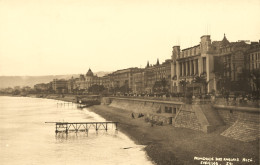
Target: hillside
12,81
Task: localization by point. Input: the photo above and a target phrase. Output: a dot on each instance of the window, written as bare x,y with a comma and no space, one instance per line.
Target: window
197,66
174,110
188,71
204,64
168,109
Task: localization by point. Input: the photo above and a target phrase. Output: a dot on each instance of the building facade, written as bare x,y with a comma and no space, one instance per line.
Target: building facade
83,83
138,82
253,56
60,85
253,66
157,76
191,62
122,80
212,61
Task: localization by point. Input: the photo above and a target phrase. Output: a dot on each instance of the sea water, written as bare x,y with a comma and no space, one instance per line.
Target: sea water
26,139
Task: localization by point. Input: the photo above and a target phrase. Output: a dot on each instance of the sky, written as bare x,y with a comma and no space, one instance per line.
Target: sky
53,37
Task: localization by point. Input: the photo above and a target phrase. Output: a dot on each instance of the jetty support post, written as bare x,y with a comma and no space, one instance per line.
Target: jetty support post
67,129
56,131
116,125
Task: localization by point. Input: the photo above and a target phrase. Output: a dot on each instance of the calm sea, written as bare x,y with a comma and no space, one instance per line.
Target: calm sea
26,139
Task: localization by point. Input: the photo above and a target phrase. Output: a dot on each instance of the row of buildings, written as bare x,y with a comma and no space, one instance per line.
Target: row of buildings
215,62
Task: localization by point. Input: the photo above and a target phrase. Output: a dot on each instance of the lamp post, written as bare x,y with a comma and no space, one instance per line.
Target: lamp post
193,81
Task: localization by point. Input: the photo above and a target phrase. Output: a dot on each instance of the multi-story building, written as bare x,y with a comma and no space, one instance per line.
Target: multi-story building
72,85
200,61
138,82
123,78
149,78
84,81
80,84
231,57
105,81
253,56
92,79
60,85
253,65
157,73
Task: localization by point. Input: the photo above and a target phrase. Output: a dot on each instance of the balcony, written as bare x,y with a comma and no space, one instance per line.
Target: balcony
174,77
203,74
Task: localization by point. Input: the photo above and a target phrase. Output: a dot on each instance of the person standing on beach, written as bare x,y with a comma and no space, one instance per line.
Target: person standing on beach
133,116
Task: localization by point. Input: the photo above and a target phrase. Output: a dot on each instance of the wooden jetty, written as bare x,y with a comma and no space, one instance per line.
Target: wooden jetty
82,126
65,103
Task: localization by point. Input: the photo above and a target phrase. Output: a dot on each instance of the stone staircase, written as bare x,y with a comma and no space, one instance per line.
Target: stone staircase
244,129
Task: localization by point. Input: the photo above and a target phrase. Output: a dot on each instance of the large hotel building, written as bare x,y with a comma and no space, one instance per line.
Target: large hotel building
213,61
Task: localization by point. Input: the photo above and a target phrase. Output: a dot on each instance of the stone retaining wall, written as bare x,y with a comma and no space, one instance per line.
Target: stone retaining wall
243,121
143,106
187,119
154,110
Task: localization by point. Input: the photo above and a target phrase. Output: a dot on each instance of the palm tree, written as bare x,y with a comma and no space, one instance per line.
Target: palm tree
183,83
202,80
254,77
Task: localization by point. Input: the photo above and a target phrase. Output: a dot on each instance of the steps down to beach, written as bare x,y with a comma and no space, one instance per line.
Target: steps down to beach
244,129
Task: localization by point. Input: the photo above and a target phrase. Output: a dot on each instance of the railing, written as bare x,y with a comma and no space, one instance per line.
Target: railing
180,99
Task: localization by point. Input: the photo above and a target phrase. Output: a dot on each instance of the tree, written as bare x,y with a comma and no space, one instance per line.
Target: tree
96,89
160,86
183,83
255,78
16,92
252,81
202,80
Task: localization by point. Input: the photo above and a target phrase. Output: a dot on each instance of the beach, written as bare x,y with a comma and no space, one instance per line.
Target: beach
169,145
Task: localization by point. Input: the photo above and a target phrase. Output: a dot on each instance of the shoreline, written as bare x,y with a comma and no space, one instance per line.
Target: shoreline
166,145
154,151
170,145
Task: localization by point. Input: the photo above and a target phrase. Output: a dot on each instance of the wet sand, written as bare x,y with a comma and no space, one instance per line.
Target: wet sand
169,145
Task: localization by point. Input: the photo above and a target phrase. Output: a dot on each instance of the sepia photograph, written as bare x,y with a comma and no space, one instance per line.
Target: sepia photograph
127,82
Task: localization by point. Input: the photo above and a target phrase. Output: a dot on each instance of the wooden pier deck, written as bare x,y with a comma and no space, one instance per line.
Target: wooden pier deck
65,103
82,126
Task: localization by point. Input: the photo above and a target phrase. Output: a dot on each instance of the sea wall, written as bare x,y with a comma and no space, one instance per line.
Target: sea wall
230,114
160,112
243,122
169,112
